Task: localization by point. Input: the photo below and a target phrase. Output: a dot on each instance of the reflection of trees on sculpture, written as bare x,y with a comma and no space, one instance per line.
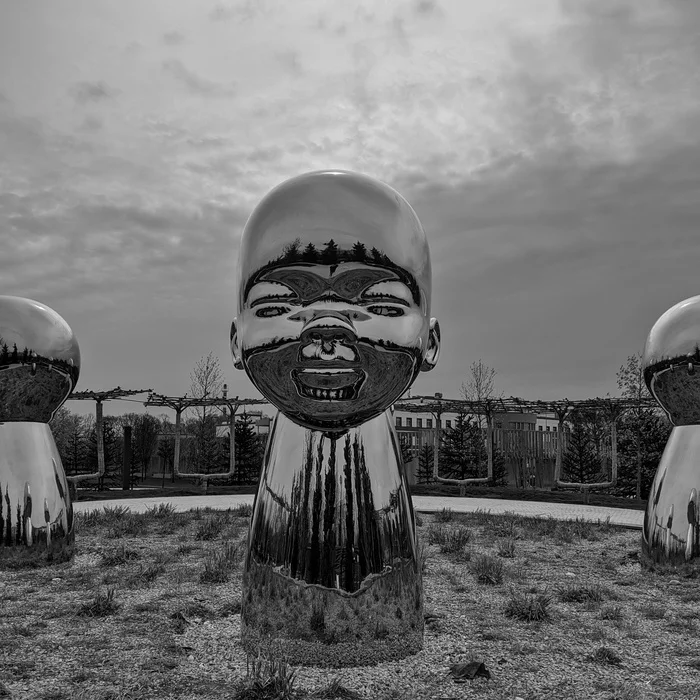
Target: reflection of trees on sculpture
331,254
31,385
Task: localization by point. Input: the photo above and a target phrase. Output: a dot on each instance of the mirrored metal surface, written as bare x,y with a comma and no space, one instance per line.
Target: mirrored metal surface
332,549
39,366
333,326
39,360
672,520
334,306
671,359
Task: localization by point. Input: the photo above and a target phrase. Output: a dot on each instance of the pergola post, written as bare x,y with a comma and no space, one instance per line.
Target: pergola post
99,429
176,452
232,441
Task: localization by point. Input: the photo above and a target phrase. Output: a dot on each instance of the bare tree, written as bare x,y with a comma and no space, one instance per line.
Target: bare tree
480,387
206,382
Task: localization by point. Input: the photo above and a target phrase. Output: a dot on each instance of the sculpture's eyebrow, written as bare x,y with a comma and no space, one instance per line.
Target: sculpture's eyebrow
395,292
267,292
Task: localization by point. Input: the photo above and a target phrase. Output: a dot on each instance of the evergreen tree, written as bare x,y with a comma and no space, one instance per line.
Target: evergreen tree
71,436
248,451
640,435
359,252
425,464
462,449
580,460
329,256
310,254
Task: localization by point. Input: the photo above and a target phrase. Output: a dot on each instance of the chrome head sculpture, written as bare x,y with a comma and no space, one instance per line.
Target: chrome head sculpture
39,367
333,318
671,358
39,361
671,531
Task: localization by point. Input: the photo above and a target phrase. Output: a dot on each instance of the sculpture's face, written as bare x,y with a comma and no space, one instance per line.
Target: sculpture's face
39,360
331,331
671,362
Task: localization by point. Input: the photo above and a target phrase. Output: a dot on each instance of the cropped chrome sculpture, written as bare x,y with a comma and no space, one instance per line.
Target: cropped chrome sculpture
333,326
39,366
671,361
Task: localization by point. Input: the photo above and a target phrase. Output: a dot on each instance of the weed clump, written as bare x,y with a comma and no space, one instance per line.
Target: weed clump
605,655
218,567
528,607
102,605
487,569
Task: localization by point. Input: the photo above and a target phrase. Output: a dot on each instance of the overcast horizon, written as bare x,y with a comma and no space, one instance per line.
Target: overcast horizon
551,150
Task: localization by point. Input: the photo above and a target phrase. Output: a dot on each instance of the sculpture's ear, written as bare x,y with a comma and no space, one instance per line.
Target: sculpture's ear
433,351
235,346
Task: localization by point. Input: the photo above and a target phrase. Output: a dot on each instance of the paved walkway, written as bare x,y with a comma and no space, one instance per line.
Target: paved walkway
424,504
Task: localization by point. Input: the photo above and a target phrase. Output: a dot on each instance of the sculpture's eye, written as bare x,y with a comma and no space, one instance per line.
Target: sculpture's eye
383,310
270,311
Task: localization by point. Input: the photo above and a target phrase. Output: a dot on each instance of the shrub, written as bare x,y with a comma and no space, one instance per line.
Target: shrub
450,539
528,607
487,569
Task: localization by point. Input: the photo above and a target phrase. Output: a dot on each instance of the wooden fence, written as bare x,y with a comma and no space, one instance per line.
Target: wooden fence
530,455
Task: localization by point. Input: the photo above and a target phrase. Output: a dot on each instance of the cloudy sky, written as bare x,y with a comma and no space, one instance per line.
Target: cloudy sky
550,147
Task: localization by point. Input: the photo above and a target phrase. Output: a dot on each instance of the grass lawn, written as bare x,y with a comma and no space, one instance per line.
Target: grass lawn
149,608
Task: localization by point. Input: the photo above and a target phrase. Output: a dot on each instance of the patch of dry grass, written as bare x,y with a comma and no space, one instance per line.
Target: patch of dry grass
150,607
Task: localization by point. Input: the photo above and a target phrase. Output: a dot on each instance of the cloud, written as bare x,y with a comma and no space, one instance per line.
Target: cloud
87,92
173,38
243,11
427,8
291,61
195,83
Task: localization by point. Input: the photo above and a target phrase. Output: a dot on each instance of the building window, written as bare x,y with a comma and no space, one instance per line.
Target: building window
398,422
419,422
499,425
547,428
554,428
541,428
409,422
428,422
448,423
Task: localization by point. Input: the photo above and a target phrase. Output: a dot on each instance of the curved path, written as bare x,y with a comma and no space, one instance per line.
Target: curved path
424,504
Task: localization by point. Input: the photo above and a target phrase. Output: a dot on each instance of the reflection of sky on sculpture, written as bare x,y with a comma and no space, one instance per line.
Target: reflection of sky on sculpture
35,326
673,517
344,207
675,334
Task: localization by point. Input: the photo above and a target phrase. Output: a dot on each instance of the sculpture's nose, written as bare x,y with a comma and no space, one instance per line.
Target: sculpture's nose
329,326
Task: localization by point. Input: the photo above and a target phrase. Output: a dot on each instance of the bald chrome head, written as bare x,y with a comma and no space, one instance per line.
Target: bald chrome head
39,360
671,362
333,301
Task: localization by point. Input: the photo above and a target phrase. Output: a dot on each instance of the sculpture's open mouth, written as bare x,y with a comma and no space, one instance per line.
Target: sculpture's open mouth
328,384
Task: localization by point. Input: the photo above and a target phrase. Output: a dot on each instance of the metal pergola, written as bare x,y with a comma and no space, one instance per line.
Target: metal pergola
179,404
613,407
99,397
